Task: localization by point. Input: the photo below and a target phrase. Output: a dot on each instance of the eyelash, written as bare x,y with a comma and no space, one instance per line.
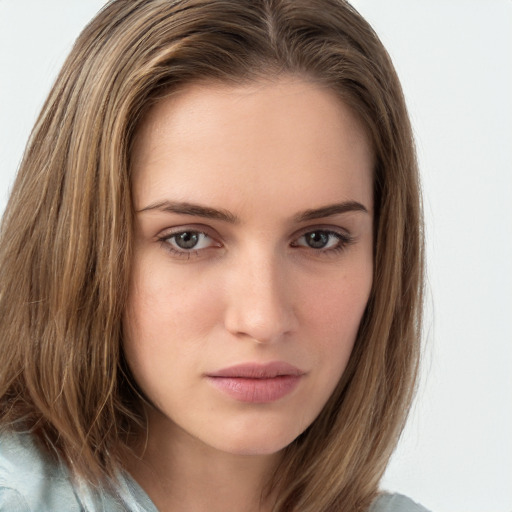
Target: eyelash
165,240
344,240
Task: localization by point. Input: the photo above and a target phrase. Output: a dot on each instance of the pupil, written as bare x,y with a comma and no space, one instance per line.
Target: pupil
187,240
317,240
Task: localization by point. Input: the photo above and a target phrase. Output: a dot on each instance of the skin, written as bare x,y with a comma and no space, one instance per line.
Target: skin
254,289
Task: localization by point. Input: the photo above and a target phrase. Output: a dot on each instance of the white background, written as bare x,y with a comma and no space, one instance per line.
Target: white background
455,61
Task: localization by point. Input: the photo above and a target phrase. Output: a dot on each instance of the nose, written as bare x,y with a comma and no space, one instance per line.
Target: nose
259,300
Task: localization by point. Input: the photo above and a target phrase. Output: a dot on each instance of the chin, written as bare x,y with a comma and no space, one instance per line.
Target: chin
253,449
255,439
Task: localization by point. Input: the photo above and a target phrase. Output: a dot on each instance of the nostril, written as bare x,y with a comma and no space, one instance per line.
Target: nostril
261,319
259,299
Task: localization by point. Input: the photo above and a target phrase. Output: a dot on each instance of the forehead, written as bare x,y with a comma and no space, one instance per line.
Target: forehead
273,141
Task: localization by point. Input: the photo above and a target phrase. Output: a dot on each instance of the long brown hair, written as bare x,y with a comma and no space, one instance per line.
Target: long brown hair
65,247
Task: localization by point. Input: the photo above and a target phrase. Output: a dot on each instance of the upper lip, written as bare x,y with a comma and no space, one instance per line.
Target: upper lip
258,370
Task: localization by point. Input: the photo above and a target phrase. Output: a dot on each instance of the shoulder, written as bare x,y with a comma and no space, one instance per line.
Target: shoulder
29,479
20,456
395,503
32,481
11,500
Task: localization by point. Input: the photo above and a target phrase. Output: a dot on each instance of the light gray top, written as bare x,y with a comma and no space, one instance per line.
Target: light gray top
31,481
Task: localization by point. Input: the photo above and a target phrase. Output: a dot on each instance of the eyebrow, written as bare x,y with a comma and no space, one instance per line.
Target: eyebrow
196,210
328,211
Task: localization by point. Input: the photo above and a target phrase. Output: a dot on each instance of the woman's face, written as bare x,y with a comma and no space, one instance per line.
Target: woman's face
252,260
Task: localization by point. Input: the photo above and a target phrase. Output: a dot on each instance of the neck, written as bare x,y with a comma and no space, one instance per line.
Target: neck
181,473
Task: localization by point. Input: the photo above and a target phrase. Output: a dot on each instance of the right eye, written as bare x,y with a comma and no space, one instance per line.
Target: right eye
188,242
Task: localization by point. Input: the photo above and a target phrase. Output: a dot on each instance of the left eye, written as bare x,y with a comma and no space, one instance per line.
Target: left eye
189,240
320,239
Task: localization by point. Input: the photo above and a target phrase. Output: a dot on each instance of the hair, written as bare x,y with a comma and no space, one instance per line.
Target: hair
65,248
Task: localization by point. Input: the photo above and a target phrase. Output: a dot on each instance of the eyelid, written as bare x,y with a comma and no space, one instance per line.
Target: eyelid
344,237
196,228
166,235
327,228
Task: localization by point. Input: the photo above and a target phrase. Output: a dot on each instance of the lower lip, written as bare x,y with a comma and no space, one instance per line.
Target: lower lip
256,391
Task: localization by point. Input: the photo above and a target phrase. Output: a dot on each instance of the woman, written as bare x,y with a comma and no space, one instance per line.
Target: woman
211,266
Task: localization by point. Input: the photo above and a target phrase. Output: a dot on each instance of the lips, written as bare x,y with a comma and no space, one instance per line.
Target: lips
257,383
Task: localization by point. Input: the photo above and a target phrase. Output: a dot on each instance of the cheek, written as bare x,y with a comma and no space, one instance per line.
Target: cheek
165,302
338,304
333,314
167,321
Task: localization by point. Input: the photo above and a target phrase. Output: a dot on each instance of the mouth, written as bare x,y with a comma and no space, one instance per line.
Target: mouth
257,383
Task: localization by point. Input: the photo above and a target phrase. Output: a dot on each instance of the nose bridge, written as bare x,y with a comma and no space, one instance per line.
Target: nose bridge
259,298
